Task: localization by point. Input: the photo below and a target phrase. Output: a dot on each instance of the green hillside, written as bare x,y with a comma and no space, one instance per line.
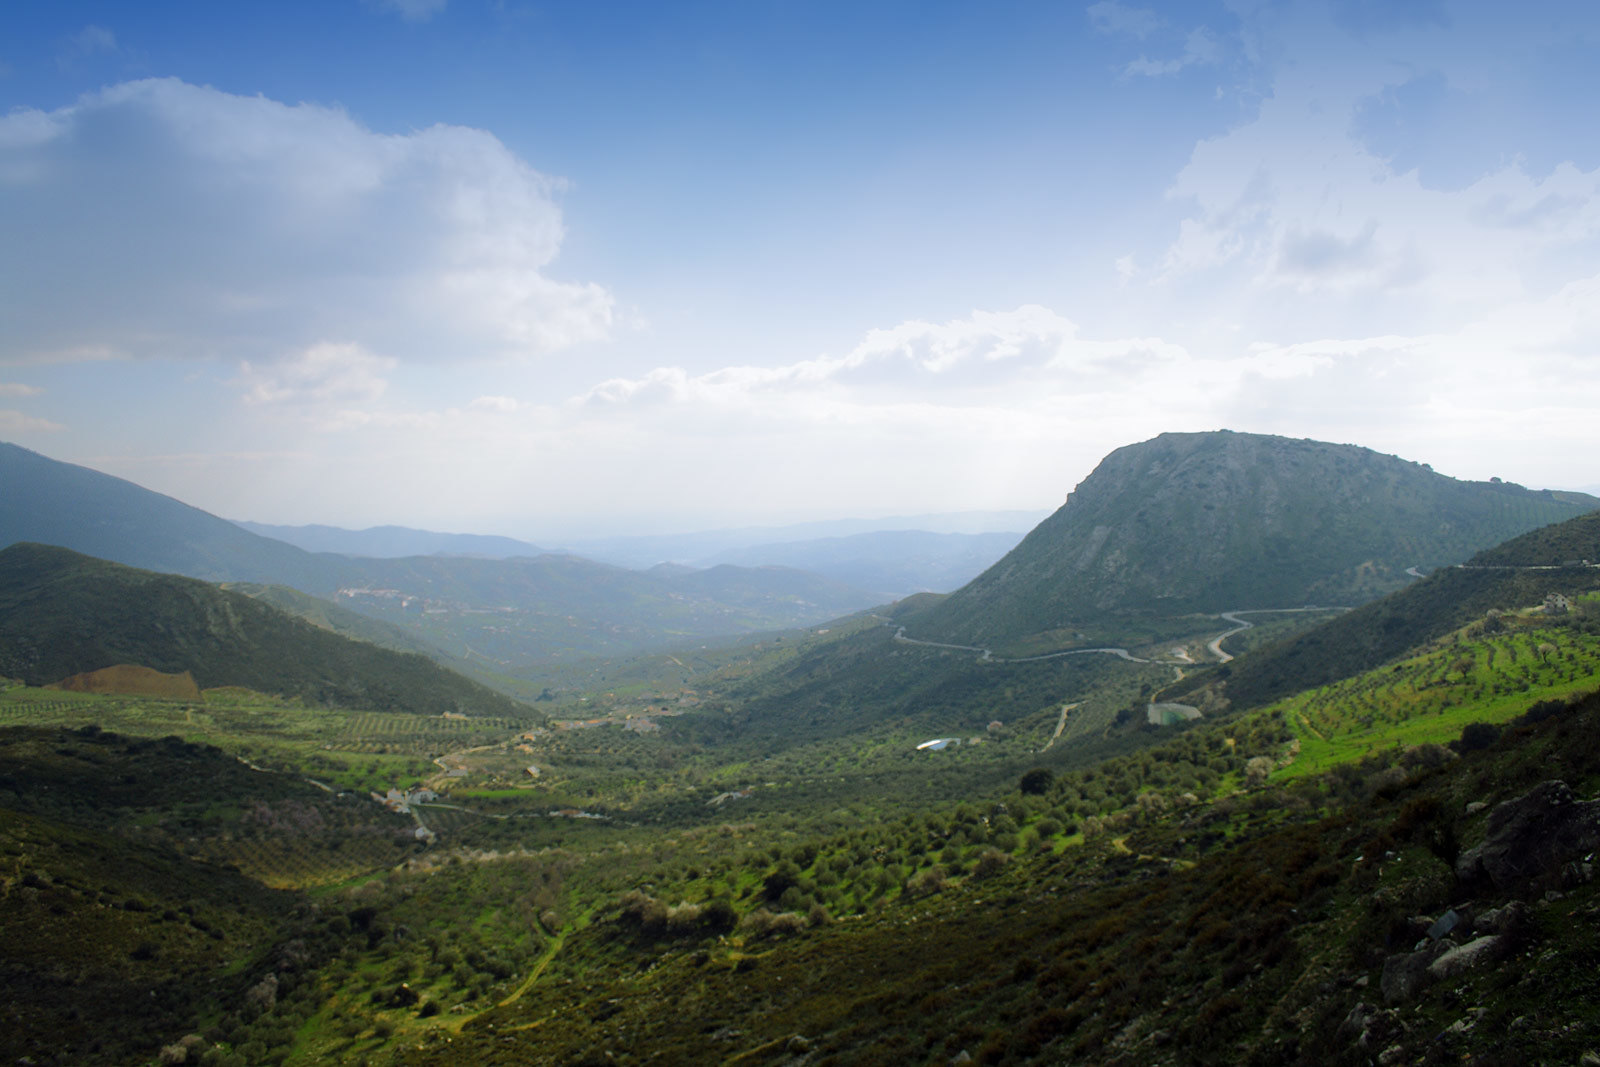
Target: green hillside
62,614
1519,573
1210,522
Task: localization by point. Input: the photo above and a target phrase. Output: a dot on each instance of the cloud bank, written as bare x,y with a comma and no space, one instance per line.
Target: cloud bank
211,224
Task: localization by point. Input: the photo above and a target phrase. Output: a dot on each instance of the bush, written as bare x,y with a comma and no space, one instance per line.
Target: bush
763,923
1476,736
925,883
991,861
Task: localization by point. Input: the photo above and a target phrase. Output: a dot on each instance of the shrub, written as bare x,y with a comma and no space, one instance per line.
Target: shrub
925,883
1476,736
991,861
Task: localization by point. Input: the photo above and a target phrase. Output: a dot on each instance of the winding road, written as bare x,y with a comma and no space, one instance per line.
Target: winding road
1215,647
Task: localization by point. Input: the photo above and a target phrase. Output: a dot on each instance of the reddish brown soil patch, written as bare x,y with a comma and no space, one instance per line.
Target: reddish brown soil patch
126,678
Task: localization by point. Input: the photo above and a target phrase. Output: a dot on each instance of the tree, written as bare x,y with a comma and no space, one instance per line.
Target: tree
1037,781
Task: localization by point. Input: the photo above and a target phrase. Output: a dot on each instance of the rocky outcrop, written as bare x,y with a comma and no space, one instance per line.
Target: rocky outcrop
1532,837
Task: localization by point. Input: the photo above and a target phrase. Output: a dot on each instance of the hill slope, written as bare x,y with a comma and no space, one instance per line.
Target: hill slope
1519,572
62,614
55,503
1209,522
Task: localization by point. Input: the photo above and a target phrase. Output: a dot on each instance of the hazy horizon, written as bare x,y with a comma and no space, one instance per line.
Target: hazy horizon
495,267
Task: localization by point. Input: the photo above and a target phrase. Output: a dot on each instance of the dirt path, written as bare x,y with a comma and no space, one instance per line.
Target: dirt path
544,960
1062,725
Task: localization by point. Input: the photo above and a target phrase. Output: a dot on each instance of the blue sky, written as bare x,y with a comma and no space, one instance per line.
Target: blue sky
551,269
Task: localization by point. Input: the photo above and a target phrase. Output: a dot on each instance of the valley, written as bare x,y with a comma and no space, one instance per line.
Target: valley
1140,837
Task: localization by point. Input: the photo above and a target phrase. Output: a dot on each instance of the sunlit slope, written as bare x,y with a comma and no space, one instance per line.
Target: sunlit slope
1209,522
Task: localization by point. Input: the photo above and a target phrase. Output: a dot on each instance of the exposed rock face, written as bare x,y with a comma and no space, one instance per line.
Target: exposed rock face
1532,836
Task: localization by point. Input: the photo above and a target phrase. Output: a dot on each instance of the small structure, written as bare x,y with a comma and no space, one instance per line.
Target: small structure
1557,604
938,744
531,771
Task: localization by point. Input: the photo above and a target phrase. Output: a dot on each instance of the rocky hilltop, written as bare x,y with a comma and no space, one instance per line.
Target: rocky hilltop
1208,522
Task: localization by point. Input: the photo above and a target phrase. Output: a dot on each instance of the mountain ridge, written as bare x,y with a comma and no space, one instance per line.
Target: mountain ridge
1218,521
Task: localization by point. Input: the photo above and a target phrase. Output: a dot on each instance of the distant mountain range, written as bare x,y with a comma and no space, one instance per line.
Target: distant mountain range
889,562
895,563
506,616
1208,522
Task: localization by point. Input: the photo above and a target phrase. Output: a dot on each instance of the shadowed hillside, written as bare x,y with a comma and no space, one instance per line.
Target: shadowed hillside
63,614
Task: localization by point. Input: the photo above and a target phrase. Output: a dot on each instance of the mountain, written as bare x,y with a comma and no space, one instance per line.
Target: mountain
389,542
62,614
1209,522
707,547
889,563
894,563
514,614
326,615
54,503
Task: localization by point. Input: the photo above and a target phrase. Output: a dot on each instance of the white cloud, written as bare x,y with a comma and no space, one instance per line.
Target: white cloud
1109,16
15,422
162,219
320,375
503,405
1292,202
413,10
1200,48
18,389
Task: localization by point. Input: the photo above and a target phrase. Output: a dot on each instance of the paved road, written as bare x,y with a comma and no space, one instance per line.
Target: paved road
1215,647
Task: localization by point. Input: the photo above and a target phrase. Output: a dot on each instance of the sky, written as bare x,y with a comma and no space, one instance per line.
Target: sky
559,269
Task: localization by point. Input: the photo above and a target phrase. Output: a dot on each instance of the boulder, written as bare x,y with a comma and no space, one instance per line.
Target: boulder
1532,836
1459,961
1405,973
